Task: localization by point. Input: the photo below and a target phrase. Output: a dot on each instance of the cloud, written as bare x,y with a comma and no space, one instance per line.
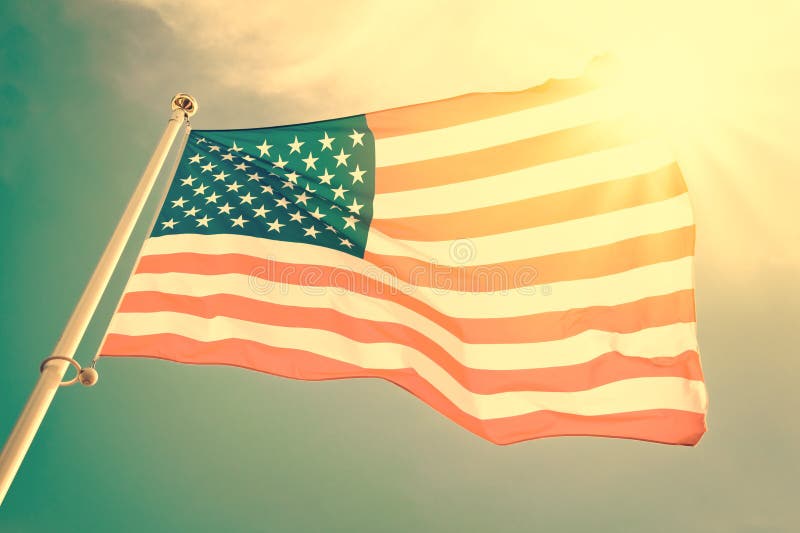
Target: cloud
730,69
355,48
368,53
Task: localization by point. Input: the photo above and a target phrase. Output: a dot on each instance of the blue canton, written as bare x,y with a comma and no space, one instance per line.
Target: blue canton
311,183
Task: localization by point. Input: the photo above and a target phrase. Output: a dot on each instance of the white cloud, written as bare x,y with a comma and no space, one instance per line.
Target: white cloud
366,53
734,63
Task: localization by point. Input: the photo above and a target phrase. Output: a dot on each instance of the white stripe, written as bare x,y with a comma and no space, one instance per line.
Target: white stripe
577,234
576,111
289,252
615,289
620,396
664,341
548,178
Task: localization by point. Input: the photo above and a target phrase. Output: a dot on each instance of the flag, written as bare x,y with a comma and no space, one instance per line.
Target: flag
522,262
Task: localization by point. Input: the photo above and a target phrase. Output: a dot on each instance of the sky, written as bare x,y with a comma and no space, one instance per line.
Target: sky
155,446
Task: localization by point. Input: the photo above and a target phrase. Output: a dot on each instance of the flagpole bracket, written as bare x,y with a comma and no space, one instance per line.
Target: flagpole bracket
86,376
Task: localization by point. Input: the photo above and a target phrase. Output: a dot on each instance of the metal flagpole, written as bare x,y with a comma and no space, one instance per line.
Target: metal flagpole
53,368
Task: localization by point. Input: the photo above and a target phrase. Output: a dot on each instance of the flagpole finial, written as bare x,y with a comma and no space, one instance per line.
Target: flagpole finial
186,103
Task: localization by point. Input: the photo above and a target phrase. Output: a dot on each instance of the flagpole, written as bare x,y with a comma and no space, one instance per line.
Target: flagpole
54,367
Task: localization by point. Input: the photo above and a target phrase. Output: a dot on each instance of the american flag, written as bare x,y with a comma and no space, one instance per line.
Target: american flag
522,262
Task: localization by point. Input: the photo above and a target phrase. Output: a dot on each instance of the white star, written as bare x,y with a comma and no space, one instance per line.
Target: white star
302,198
179,202
227,157
326,142
275,225
238,149
247,158
247,199
208,168
310,161
345,242
267,189
196,159
355,207
341,159
191,212
297,217
350,222
239,221
213,148
264,148
201,140
221,176
213,198
295,146
311,232
241,166
287,185
357,138
339,192
261,212
358,175
292,177
169,224
325,178
201,189
253,177
316,214
233,187
282,202
188,181
225,208
330,228
309,189
280,163
203,221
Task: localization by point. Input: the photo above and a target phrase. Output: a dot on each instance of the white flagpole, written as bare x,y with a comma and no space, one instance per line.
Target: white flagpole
53,370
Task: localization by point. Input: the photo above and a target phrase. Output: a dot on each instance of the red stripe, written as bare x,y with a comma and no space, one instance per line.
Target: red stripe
566,266
663,425
611,366
471,107
505,158
587,263
623,318
562,206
